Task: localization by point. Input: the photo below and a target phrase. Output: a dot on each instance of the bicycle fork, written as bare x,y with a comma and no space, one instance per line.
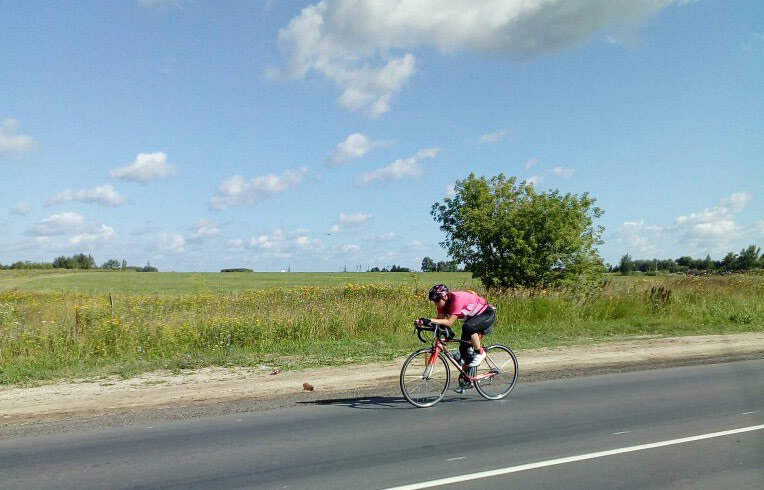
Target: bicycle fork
429,362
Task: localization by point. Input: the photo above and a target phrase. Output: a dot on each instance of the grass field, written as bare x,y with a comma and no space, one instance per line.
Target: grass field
66,324
183,283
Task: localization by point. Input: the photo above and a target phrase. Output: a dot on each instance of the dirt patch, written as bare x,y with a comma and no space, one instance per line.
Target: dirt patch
161,389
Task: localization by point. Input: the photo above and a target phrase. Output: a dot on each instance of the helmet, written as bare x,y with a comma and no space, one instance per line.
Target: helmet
437,292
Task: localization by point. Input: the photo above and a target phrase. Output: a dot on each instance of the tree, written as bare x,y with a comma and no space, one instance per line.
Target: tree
748,258
510,235
112,264
626,265
428,265
79,261
729,262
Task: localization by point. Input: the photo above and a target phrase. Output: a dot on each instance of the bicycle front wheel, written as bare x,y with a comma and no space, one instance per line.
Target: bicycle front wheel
424,384
500,366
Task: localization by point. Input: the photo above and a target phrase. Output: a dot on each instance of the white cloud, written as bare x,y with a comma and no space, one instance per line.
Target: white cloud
534,179
495,136
408,167
239,191
711,231
68,230
356,145
729,206
450,190
351,249
531,163
59,224
563,172
342,39
103,194
11,142
21,209
355,218
170,242
203,230
145,168
279,244
101,233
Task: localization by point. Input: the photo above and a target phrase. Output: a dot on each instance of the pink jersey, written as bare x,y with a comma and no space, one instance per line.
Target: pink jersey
463,304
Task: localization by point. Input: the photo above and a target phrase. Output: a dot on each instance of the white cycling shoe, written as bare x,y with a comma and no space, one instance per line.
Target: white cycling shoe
477,359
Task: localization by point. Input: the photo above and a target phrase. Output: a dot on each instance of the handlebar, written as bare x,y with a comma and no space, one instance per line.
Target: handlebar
443,332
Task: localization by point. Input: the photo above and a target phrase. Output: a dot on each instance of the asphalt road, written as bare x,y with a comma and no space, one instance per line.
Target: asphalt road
628,430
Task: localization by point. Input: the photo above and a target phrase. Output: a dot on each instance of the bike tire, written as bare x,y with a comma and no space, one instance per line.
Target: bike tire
422,388
502,361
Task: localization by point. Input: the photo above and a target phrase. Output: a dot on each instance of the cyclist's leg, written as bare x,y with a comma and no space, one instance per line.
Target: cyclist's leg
478,324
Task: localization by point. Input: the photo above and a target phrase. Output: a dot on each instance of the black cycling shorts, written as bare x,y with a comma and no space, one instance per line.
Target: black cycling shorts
482,323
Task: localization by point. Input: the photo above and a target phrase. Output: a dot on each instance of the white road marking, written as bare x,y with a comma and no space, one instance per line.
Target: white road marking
571,459
456,459
749,413
624,432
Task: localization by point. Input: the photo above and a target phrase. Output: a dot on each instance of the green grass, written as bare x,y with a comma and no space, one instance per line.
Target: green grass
55,325
216,282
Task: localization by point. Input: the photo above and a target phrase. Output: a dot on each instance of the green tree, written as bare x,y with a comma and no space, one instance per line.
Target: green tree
729,262
507,234
428,265
626,265
748,258
112,264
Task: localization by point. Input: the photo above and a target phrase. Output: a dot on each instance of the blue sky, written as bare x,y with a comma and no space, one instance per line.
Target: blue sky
199,135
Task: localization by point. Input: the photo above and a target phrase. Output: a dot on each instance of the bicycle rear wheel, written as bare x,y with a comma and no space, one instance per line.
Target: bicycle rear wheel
424,384
501,363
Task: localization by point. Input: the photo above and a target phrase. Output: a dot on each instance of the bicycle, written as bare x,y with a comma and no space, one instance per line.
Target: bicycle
425,375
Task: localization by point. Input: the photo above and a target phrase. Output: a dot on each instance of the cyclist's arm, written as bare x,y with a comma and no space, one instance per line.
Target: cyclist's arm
444,319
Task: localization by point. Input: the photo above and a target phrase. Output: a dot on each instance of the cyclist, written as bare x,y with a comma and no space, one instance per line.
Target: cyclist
476,314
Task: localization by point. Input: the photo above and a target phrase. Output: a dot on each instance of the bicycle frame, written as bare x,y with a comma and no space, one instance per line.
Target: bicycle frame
439,346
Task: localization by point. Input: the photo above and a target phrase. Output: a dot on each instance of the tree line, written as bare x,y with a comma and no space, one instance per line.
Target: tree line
79,261
429,265
749,258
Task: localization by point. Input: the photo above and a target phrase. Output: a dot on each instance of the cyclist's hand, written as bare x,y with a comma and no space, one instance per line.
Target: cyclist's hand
424,321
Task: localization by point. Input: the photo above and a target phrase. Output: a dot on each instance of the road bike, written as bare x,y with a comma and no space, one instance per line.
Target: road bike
425,375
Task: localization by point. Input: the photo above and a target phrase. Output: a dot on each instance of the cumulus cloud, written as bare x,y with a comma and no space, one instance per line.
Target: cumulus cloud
494,136
203,230
72,227
239,190
710,231
59,224
11,141
531,163
451,190
104,194
145,168
278,244
356,145
563,172
361,44
21,209
407,167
